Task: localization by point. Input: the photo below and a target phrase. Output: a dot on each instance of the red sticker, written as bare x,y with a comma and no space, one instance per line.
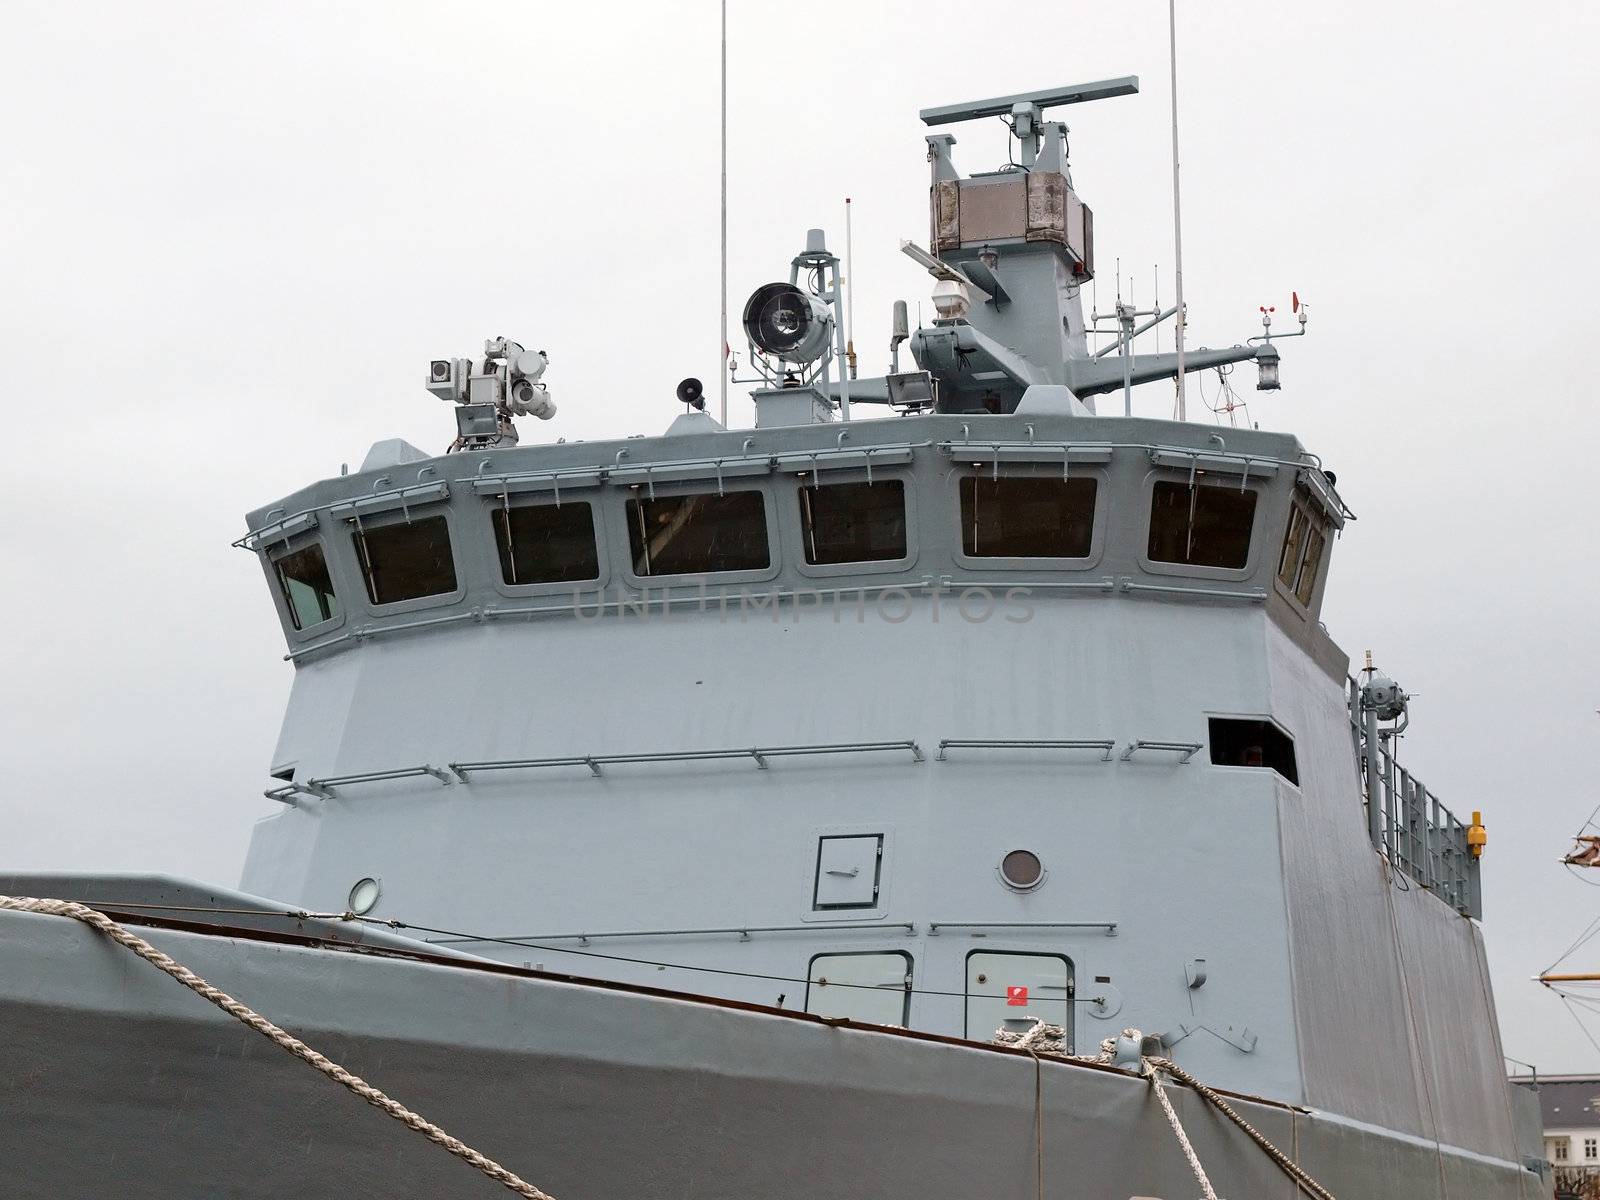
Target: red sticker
1017,997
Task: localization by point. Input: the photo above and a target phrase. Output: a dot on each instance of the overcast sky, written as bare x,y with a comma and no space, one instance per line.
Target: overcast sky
234,235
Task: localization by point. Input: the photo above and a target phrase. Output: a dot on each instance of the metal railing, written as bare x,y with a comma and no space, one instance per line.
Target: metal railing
1407,823
325,788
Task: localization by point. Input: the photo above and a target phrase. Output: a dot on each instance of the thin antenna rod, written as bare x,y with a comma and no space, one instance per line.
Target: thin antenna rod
722,347
1177,207
849,293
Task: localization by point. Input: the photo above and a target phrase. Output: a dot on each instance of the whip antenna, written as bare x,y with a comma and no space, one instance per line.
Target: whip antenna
849,293
1177,208
722,347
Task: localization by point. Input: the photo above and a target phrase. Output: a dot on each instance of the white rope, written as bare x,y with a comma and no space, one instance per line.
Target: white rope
1152,1072
1290,1167
1050,1040
131,941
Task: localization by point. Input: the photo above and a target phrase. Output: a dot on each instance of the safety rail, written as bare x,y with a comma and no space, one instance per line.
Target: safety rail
1109,927
1408,825
461,772
1104,745
757,754
744,932
1185,750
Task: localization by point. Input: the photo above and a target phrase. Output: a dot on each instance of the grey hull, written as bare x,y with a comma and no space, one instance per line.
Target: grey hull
114,1080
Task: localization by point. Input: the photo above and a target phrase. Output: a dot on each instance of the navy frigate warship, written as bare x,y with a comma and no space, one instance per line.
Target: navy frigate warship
909,796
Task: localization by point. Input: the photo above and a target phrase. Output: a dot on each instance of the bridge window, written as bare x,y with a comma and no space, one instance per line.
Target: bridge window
1243,742
546,543
854,522
1023,516
306,585
698,534
873,987
1301,560
1294,545
1305,584
1201,524
406,560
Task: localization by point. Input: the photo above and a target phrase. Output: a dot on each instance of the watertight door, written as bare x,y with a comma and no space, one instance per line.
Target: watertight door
1003,984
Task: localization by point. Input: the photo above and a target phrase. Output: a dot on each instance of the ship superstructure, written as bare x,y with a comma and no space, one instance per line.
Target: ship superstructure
937,700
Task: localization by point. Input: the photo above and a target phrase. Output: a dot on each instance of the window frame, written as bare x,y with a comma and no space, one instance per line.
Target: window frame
458,556
1259,484
794,523
910,976
494,504
1027,470
1314,523
342,588
618,513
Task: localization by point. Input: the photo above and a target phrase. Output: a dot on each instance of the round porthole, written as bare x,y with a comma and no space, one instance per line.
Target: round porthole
364,896
1021,870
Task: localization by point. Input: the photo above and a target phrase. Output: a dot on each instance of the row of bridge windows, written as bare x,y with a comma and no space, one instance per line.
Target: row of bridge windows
707,533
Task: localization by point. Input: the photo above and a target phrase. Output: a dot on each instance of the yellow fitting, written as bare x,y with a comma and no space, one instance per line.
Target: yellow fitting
1477,836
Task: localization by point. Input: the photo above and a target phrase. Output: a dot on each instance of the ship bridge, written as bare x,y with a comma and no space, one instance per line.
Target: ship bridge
995,709
906,712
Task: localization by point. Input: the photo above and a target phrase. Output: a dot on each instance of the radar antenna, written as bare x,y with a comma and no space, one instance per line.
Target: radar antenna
1026,109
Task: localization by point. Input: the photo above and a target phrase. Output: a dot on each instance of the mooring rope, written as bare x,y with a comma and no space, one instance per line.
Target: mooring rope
244,1014
1289,1166
1153,1073
1046,1040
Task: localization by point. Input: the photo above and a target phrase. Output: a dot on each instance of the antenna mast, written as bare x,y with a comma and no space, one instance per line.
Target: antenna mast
849,293
1177,207
722,346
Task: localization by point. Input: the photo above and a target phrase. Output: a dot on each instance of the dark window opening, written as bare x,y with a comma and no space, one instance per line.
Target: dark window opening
1201,525
694,535
1020,516
1241,742
307,587
854,522
407,560
546,543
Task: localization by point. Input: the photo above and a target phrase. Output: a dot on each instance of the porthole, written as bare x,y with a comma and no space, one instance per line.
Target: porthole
1021,870
364,896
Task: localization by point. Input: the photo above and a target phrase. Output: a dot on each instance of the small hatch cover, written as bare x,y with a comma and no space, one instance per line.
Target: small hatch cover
848,871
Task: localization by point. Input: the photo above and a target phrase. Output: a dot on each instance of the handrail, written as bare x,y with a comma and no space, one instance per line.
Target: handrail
1109,926
1187,749
460,772
1249,596
1104,745
744,932
758,754
323,789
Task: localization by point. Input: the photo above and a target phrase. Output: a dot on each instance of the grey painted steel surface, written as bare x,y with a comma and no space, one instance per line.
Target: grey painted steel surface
589,1092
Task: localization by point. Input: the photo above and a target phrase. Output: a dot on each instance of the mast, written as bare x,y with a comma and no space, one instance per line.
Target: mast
722,343
1177,205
